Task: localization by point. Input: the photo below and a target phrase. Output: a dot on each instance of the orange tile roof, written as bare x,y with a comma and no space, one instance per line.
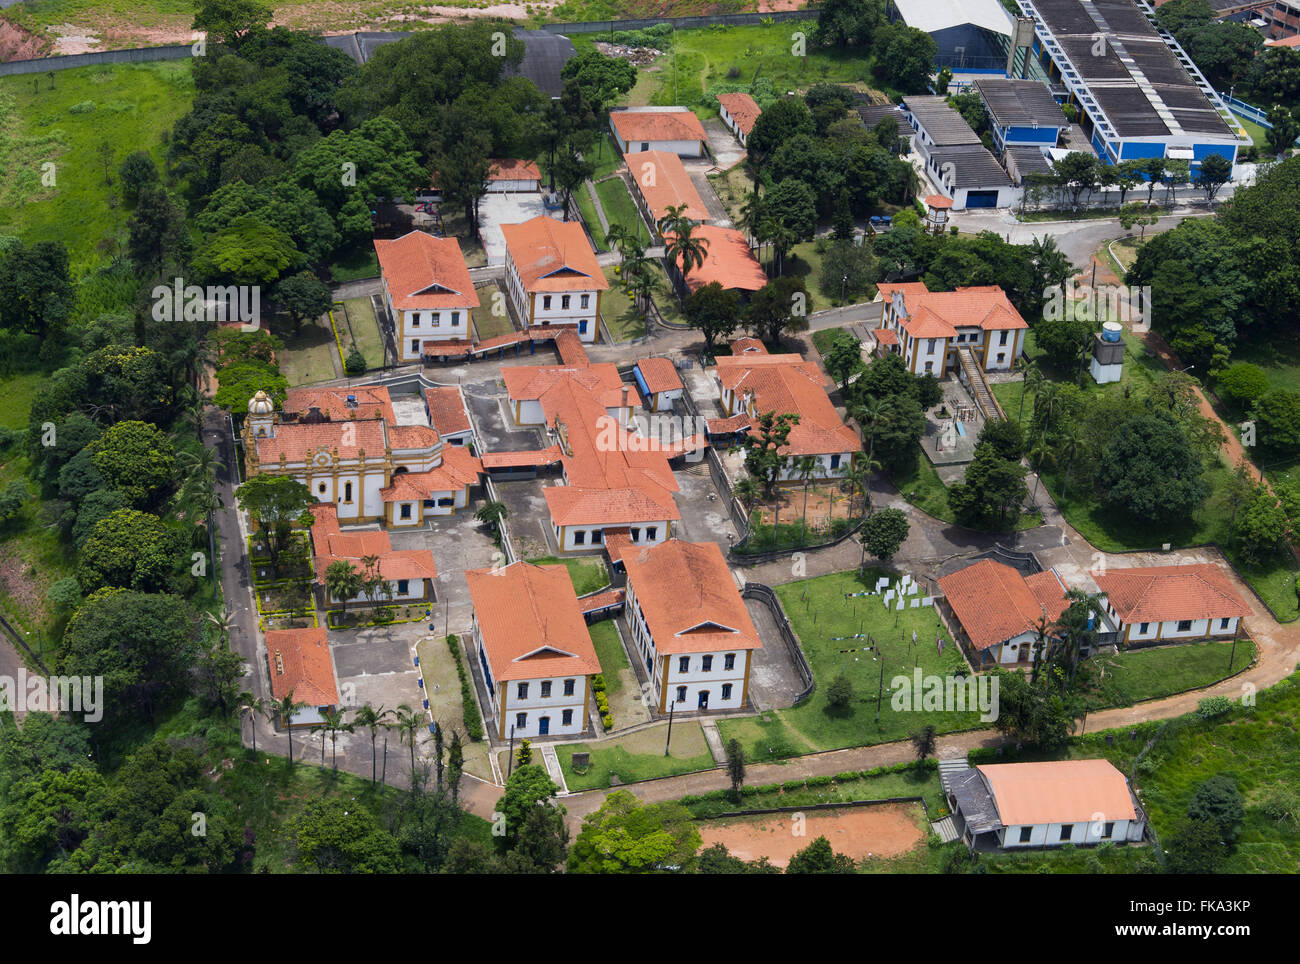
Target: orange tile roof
727,260
570,348
331,544
616,540
407,437
513,169
424,272
981,306
373,401
994,602
751,346
552,255
660,375
1283,42
572,505
1156,594
447,412
514,460
300,663
689,598
601,600
530,622
1058,791
297,442
938,201
787,383
458,470
662,180
666,124
885,336
742,108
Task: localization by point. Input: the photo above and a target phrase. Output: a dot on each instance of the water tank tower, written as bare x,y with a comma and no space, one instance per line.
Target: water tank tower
1108,353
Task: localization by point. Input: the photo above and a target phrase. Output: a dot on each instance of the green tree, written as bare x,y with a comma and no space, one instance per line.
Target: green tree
527,789
1282,135
332,836
1196,847
839,695
626,837
1149,471
819,858
231,21
763,458
1215,171
848,271
276,503
1276,414
884,532
715,311
133,550
1218,801
136,459
779,306
843,357
248,252
735,766
925,741
905,55
1241,384
993,491
303,296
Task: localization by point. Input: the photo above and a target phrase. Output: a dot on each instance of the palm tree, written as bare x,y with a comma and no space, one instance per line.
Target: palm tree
371,577
751,215
639,280
1079,625
873,415
492,513
249,705
925,740
1042,629
617,237
673,220
1070,443
685,250
343,581
806,467
197,495
372,719
334,725
408,723
1033,379
746,490
284,709
223,621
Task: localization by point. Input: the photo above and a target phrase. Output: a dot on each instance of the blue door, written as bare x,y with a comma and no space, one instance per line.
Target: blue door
704,699
543,725
981,199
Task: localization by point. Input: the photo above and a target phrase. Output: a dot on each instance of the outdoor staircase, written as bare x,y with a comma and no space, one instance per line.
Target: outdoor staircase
950,768
979,386
945,829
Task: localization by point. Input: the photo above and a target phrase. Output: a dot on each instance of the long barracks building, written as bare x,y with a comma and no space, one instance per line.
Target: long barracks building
1138,93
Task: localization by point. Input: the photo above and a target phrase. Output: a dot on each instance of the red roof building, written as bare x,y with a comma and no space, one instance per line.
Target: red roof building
1172,603
728,260
552,276
934,327
739,112
302,668
428,290
674,129
1002,611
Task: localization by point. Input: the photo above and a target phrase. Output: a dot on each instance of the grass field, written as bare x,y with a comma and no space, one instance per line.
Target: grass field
587,574
638,756
442,687
486,324
622,319
618,204
310,354
922,487
822,617
356,264
365,330
74,119
1125,678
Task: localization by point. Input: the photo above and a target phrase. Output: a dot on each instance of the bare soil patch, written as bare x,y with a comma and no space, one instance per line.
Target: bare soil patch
877,831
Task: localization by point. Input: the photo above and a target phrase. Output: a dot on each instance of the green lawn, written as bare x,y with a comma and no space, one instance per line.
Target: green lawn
356,263
1125,678
622,319
71,118
924,489
587,573
638,756
587,208
442,687
360,317
310,354
486,324
613,657
882,783
16,394
821,616
618,204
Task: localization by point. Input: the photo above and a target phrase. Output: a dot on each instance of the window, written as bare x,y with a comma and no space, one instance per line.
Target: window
403,586
597,537
929,368
1025,834
636,533
455,319
580,538
564,302
729,661
347,491
1108,831
405,511
681,694
1143,628
437,319
566,718
546,302
1002,356
1223,623
683,664
1067,831
706,664
415,319
415,345
650,533
1184,625
726,691
521,721
586,301
568,687
835,461
546,689
321,488
1002,337
523,691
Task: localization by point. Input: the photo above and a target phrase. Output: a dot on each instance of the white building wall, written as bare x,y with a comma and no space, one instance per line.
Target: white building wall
567,539
1087,833
535,707
696,681
574,314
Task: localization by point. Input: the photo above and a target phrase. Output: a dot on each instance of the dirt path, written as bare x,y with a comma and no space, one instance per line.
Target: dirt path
857,832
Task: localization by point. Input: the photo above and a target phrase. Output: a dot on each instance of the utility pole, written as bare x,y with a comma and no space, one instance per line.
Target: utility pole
880,691
671,706
510,763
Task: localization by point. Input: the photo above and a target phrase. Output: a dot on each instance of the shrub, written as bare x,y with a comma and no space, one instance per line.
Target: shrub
792,785
473,727
598,683
355,365
607,721
1242,383
1213,706
821,781
85,107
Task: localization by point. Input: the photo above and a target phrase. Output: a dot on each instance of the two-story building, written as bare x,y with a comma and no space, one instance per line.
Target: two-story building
533,647
428,291
932,329
1022,113
689,625
1164,604
552,276
352,450
751,382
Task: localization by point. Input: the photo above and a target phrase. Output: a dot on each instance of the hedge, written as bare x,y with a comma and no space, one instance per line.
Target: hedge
473,727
